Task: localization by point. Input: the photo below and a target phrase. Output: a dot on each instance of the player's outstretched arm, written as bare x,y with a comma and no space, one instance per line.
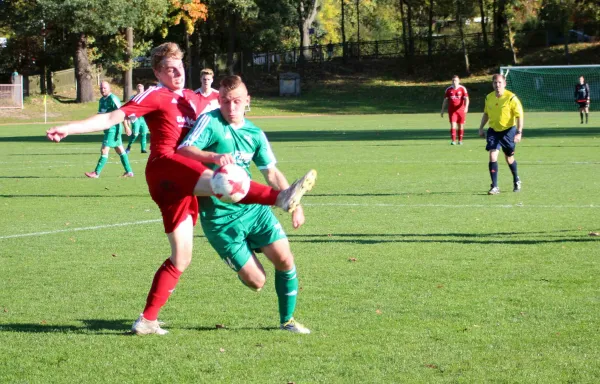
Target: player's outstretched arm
95,123
276,179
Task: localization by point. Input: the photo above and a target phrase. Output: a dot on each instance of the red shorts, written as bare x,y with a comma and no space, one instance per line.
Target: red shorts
458,117
171,180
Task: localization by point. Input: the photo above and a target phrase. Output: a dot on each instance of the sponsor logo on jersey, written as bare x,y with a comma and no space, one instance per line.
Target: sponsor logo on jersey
174,101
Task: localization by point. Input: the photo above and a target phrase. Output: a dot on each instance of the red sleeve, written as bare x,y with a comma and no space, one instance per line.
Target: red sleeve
141,104
447,93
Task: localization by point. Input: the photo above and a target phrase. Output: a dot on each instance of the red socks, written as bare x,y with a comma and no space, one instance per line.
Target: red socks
453,134
163,285
461,133
260,194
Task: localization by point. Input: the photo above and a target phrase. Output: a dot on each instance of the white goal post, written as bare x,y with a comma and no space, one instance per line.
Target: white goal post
552,87
11,95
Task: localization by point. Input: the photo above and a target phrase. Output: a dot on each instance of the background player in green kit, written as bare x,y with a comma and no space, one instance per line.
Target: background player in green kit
112,136
223,136
138,126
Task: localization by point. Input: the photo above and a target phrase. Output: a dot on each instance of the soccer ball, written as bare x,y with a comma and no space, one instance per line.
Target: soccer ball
230,183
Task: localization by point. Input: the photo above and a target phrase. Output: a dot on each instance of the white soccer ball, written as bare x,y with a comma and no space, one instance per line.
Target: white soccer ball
230,183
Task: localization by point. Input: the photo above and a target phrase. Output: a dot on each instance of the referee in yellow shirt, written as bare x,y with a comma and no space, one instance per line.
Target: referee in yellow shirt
504,112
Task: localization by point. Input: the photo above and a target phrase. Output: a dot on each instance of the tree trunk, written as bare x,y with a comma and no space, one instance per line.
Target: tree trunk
483,24
358,27
461,32
411,38
430,31
231,43
566,34
307,16
511,39
83,71
344,48
407,54
128,75
499,23
188,61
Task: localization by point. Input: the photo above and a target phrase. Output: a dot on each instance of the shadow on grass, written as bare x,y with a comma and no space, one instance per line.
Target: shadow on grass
89,326
106,327
345,135
519,238
64,99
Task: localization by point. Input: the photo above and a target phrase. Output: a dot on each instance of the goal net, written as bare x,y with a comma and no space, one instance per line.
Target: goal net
11,95
552,88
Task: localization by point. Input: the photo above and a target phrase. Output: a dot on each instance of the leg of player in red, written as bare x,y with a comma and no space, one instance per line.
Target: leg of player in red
460,122
169,184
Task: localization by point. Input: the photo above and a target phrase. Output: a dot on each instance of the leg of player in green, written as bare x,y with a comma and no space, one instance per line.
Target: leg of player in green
286,286
135,131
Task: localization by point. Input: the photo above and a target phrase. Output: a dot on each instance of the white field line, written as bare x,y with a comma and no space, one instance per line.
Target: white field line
372,205
80,229
359,161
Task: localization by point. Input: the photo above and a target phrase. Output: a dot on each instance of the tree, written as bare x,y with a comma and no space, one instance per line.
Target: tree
460,16
307,11
482,14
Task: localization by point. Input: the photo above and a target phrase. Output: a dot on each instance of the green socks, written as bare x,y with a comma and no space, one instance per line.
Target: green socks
101,163
125,162
286,286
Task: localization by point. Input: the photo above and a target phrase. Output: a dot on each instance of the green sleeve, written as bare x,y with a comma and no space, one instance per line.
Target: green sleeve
263,155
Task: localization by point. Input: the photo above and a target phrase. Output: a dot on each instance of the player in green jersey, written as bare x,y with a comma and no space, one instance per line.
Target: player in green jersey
112,136
224,136
138,126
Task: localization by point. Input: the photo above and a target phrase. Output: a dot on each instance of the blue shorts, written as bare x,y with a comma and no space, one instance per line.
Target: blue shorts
504,139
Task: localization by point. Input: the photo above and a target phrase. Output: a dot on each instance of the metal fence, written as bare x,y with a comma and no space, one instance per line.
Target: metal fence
320,53
11,95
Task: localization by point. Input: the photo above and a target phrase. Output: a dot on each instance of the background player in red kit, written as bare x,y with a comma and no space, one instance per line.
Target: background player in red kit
174,180
457,99
209,97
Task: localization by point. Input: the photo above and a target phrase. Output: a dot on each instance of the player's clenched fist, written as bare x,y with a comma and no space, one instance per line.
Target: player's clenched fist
57,133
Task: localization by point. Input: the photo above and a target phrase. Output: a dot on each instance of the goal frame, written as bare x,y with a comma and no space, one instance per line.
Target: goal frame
505,70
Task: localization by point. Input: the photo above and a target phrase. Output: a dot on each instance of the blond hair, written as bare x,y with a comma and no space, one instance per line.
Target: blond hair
165,51
206,71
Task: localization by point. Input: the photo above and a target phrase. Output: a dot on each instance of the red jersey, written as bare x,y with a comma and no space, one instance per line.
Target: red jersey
169,115
208,102
456,98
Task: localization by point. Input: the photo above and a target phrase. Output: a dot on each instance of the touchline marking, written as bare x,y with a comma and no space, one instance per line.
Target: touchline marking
449,205
80,229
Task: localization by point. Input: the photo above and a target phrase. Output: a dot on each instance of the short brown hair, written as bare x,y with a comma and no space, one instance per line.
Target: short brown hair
229,83
165,51
498,75
207,71
455,77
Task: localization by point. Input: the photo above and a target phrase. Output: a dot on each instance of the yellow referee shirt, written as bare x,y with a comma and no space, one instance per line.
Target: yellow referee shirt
502,111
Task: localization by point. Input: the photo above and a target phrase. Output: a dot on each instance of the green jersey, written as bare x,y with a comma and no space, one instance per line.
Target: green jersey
108,104
246,144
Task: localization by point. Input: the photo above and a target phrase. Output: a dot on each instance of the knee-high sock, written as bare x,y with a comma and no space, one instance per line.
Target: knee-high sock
286,286
163,285
586,117
101,163
581,116
493,166
260,194
461,133
125,162
453,134
144,141
132,139
513,169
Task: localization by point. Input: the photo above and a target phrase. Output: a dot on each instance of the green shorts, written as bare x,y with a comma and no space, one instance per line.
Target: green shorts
139,126
235,240
112,136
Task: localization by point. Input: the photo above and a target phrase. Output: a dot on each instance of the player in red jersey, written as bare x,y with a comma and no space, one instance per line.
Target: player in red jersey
174,180
457,99
209,97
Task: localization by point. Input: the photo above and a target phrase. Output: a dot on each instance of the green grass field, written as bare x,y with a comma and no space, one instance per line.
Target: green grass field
409,271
